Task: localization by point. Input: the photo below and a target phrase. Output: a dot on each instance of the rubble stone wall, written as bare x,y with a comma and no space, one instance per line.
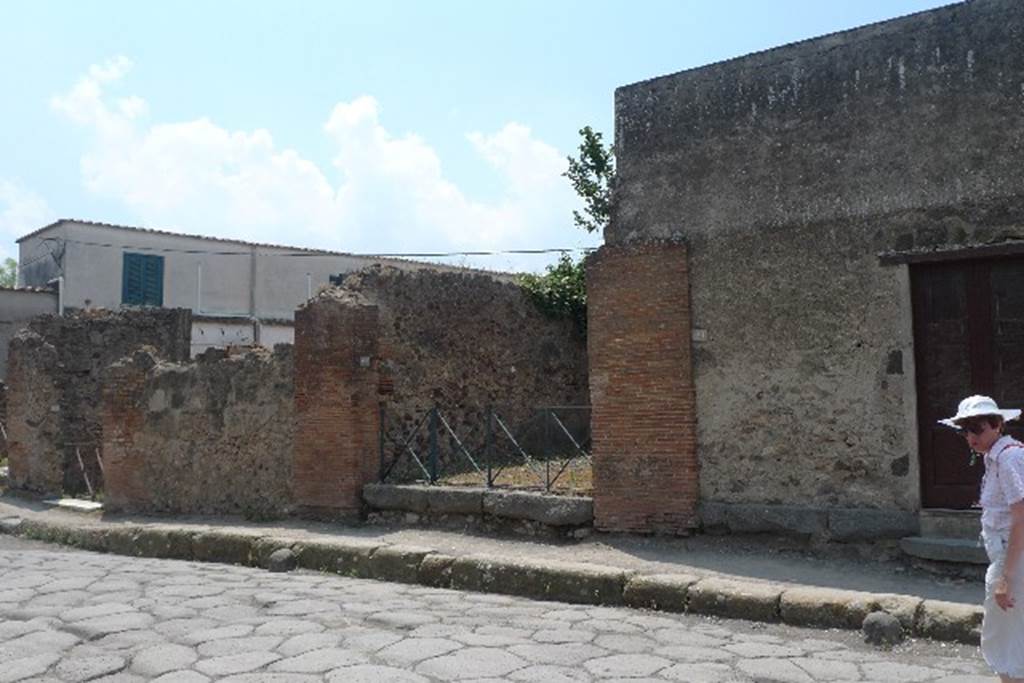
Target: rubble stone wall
210,437
464,343
54,388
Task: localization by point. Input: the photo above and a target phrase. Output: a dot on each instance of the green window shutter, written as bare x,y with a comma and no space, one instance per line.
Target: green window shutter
142,280
153,281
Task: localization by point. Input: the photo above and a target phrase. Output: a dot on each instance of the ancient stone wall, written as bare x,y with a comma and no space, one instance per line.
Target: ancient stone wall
786,173
465,343
210,437
3,420
54,388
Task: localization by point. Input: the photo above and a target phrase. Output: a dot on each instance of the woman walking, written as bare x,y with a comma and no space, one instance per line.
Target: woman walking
982,423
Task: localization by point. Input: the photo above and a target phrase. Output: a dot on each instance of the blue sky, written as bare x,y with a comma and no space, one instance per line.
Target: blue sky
369,127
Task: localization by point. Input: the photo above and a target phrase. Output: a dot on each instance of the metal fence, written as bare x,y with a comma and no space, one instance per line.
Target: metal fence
542,448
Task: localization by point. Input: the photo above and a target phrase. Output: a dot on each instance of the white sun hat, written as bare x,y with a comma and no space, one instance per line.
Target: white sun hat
976,406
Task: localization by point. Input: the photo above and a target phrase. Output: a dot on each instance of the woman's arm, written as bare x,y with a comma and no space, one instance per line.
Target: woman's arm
1003,591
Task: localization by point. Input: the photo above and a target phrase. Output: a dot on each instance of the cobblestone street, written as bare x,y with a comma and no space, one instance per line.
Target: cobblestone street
77,616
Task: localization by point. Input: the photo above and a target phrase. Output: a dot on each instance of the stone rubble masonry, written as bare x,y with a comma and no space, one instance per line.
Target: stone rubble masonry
3,419
464,342
529,577
337,404
646,476
210,437
55,384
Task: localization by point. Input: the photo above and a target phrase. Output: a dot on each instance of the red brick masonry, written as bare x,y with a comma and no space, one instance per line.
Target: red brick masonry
337,410
646,473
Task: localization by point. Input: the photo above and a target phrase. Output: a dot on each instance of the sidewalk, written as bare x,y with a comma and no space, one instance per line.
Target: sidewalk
749,578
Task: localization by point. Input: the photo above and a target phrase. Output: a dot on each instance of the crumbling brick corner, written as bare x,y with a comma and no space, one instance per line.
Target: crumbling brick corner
646,473
337,409
122,413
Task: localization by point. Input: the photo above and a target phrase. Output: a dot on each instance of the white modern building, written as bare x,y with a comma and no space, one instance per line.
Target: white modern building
239,292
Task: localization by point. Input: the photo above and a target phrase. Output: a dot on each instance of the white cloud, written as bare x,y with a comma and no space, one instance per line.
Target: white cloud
385,193
21,212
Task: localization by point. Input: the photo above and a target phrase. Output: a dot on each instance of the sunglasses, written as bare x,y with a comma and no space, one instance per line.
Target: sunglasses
976,428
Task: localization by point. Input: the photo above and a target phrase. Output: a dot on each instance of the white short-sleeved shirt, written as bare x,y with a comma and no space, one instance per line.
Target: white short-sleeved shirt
1002,485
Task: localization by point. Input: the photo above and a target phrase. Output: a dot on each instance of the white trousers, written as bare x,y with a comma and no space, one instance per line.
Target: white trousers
1002,631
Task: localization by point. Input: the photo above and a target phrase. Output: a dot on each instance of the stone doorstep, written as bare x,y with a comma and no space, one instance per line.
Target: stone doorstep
549,580
942,523
954,550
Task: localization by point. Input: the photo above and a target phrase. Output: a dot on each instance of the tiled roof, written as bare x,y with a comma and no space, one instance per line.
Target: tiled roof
30,290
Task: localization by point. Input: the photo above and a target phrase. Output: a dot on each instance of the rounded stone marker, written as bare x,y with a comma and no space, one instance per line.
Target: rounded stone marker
281,560
882,628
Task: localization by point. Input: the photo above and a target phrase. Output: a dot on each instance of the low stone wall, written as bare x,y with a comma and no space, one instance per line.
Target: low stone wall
837,524
528,513
210,437
54,388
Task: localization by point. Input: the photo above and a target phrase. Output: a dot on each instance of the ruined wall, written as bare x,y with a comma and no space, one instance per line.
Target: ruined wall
54,388
786,173
464,342
3,420
210,437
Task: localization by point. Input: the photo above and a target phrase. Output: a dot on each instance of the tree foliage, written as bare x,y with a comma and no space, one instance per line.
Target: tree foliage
561,290
592,175
9,273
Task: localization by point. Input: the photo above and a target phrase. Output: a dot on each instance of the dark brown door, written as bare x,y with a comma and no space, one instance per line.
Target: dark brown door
969,339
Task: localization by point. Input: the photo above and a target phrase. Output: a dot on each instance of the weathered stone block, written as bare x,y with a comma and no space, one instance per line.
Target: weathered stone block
223,546
167,543
942,620
281,560
863,524
456,500
565,582
436,570
120,540
546,509
265,547
882,628
410,498
735,599
781,519
825,607
666,592
397,563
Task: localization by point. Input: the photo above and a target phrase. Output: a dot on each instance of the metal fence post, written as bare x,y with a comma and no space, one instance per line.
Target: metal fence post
547,450
434,454
381,440
489,446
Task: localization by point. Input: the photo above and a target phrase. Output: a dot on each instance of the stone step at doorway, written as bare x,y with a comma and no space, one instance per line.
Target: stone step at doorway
947,536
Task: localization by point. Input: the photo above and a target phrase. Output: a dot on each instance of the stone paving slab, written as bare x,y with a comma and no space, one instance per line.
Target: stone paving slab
540,578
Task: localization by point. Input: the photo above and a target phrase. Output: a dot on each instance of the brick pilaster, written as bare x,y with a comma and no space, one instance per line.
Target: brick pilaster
336,404
122,415
646,473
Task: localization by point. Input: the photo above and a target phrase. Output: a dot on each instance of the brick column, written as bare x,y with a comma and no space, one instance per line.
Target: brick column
646,474
122,414
336,404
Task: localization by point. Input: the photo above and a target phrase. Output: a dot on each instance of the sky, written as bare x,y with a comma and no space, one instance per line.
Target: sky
366,127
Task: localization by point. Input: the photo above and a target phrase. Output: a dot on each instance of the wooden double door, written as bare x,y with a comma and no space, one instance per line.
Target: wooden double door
968,339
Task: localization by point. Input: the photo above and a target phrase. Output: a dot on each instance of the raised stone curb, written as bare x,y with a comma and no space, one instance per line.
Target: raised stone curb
545,580
664,592
941,620
825,607
564,582
735,599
